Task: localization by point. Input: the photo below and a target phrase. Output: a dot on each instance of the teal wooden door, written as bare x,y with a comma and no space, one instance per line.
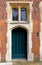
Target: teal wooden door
19,43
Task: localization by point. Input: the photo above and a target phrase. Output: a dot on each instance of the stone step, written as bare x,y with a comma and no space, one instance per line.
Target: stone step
5,63
20,63
26,63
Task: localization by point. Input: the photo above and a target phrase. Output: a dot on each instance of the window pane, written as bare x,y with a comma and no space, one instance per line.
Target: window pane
23,14
15,14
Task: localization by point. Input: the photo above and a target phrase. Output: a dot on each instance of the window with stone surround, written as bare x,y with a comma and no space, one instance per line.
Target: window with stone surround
15,15
20,12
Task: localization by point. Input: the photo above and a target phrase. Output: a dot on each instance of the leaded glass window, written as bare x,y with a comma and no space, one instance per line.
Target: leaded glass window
23,14
15,14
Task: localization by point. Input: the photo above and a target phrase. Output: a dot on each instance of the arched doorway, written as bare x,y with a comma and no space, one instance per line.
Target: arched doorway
19,43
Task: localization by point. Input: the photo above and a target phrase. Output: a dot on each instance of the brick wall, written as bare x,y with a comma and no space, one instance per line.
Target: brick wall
3,29
36,29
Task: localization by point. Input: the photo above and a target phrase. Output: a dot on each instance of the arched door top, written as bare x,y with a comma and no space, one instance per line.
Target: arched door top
19,26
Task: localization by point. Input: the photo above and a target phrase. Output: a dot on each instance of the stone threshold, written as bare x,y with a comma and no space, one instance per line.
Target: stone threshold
5,63
20,62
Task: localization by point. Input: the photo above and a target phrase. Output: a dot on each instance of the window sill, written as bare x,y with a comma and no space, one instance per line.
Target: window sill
19,22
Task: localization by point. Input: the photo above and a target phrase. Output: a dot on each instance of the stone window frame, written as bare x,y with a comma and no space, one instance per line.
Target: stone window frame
19,8
19,14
